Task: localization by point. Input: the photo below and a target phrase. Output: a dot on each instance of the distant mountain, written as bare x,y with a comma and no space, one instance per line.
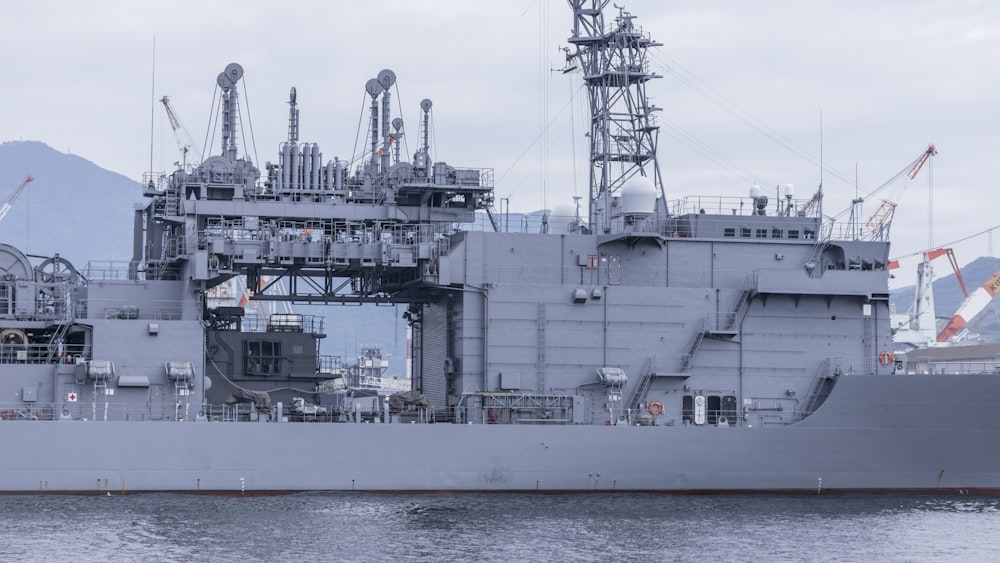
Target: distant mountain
948,295
73,207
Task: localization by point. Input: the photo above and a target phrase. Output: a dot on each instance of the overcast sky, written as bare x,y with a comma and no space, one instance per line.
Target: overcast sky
887,77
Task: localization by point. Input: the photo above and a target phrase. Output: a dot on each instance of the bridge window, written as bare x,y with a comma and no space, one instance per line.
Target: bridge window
793,233
263,358
729,232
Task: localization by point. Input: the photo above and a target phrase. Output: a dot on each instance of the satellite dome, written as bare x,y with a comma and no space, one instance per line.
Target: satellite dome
638,196
561,217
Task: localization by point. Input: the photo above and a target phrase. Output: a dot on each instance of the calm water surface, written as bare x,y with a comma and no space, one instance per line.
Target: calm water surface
501,527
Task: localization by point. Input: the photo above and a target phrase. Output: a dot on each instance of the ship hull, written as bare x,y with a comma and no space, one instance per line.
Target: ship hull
923,434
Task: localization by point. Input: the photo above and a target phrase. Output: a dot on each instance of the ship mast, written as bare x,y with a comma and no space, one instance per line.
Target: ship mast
623,132
227,82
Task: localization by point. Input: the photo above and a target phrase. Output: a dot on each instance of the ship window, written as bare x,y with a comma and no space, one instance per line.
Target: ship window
810,234
728,409
761,233
729,232
775,233
687,409
793,233
714,406
745,232
263,357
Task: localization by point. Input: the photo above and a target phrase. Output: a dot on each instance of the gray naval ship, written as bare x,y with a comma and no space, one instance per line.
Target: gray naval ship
640,344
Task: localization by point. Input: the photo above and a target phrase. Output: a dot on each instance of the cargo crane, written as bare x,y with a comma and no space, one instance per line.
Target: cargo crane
877,225
881,219
970,309
918,326
9,202
184,141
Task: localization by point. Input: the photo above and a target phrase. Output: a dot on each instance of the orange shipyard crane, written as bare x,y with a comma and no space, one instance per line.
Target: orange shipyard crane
970,308
918,326
880,220
933,254
9,202
877,225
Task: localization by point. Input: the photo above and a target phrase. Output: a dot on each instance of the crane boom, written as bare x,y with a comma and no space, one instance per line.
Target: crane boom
184,141
882,217
9,202
971,307
884,214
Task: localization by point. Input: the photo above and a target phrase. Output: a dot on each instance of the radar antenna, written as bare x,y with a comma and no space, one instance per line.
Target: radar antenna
623,131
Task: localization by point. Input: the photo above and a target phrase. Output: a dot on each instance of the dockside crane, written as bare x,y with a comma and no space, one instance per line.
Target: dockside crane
9,202
184,141
877,225
882,217
918,326
970,309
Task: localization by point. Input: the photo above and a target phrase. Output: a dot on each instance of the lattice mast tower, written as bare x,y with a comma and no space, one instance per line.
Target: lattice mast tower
623,130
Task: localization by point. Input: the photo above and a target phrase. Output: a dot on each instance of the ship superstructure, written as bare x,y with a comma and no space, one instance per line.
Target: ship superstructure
723,343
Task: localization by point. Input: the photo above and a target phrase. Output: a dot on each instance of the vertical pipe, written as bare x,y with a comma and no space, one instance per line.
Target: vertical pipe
386,155
286,165
294,173
316,166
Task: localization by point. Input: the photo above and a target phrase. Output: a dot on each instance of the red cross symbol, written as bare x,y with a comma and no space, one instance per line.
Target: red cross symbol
71,397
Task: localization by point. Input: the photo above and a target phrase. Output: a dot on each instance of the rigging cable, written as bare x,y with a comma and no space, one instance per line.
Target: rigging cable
253,141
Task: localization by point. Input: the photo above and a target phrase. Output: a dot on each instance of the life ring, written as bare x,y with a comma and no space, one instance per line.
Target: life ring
655,408
885,358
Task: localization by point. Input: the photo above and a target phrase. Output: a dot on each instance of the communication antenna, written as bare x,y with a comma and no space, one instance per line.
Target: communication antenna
623,130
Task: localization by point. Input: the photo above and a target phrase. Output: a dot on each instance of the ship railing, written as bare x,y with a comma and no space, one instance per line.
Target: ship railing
727,205
842,230
41,353
111,411
101,270
97,411
128,309
455,176
329,364
387,383
132,312
284,322
954,367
